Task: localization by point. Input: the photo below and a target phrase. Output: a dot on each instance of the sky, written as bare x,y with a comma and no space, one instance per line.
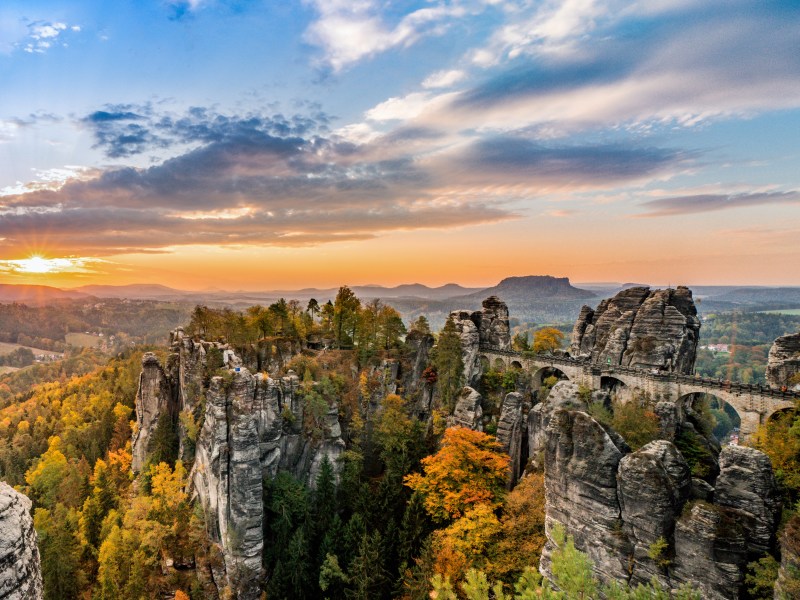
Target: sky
252,144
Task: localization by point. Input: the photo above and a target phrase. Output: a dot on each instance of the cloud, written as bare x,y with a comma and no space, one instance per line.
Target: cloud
125,130
511,160
283,181
351,30
43,35
444,79
683,205
625,69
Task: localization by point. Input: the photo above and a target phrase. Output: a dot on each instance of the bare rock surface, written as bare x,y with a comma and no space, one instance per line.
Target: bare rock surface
783,363
488,327
468,412
640,328
511,429
154,398
20,569
710,551
653,484
581,462
746,482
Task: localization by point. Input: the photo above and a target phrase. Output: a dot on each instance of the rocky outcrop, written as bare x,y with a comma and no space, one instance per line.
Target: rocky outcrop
155,399
493,326
563,395
783,363
581,462
470,345
653,485
641,515
20,570
468,412
640,328
746,483
512,432
788,584
710,551
250,427
488,327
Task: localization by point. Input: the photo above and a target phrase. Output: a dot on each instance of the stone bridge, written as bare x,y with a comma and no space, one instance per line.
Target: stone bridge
753,403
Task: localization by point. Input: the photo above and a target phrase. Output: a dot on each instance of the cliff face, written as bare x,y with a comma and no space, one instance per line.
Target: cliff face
621,506
154,399
783,363
640,328
252,426
20,570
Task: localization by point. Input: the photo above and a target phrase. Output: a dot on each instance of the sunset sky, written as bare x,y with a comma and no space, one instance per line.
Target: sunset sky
268,144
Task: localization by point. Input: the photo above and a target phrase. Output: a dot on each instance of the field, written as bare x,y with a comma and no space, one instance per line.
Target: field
6,348
83,340
4,370
783,311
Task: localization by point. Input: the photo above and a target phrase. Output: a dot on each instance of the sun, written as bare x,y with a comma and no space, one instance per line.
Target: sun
36,264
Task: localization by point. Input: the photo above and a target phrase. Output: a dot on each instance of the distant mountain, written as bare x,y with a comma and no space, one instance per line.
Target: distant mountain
144,291
414,290
532,288
35,294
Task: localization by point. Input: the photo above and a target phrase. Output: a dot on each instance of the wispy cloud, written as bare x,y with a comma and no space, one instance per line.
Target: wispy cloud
44,35
682,205
348,31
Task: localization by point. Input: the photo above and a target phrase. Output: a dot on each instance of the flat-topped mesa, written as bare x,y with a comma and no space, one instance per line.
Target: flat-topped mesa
20,569
486,327
640,328
783,364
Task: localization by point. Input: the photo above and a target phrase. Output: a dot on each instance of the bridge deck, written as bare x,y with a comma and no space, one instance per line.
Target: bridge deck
659,376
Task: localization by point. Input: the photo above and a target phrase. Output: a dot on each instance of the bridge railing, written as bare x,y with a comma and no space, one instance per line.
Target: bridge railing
660,376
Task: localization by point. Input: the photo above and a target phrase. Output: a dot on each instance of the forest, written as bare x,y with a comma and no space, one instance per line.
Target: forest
414,509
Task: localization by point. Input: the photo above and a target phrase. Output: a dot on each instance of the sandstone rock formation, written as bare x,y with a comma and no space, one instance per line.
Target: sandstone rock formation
252,426
640,515
581,462
788,583
20,570
653,485
154,399
710,551
746,483
783,363
489,327
563,395
640,328
512,430
468,412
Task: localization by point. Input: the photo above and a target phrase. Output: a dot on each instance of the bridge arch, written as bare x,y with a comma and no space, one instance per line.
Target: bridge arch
515,364
538,377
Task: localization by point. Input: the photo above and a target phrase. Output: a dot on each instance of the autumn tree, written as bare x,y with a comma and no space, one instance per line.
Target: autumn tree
520,342
547,340
470,468
346,308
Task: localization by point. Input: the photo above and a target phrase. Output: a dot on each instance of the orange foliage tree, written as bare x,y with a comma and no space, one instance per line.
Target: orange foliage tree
470,468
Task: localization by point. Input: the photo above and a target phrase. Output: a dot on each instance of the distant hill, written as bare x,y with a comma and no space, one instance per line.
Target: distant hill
532,288
754,295
147,291
35,294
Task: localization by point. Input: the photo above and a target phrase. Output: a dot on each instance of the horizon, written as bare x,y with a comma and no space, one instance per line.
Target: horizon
212,143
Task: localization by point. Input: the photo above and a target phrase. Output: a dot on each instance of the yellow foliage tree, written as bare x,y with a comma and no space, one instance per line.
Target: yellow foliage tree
547,339
470,468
